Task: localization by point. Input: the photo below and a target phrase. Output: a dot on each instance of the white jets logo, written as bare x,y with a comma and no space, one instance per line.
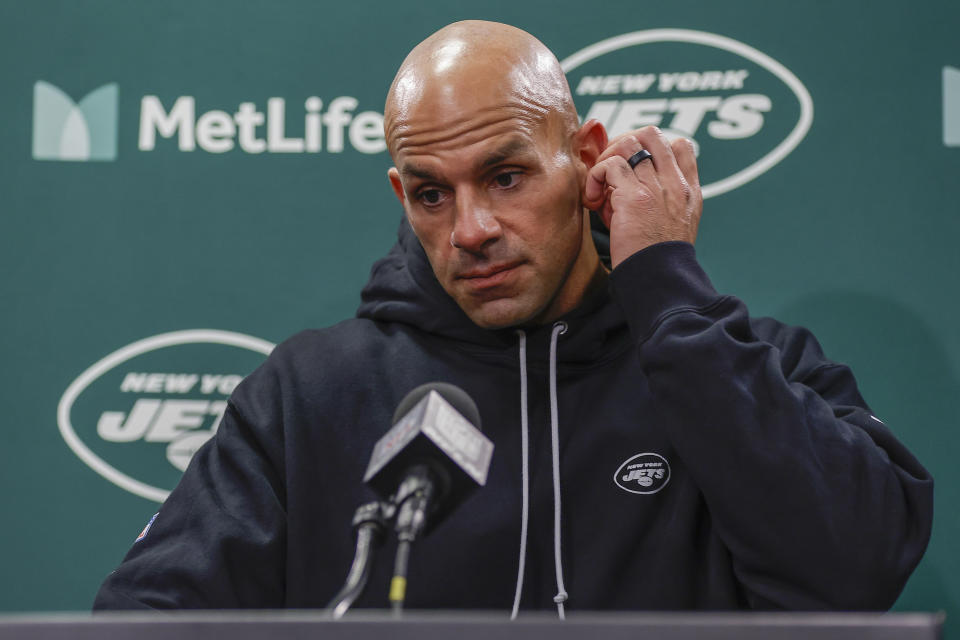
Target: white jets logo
743,110
644,473
137,416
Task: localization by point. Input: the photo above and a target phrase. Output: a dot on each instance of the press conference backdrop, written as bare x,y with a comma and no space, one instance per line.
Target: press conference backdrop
185,184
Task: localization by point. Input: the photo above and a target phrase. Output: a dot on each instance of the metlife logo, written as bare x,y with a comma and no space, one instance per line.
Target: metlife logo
70,131
255,131
951,107
87,130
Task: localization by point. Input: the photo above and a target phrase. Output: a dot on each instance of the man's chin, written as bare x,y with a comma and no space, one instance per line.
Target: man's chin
500,314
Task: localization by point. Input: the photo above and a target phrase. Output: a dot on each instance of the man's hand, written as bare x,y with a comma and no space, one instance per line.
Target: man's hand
656,201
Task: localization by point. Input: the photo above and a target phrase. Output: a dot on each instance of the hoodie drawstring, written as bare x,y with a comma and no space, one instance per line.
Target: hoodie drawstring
524,472
561,597
558,329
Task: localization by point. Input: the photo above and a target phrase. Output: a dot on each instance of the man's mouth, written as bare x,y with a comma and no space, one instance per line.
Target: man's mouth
489,277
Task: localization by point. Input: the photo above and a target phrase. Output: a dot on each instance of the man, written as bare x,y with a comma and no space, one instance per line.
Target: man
656,448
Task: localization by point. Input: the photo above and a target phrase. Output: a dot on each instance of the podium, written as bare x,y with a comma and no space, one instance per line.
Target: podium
449,625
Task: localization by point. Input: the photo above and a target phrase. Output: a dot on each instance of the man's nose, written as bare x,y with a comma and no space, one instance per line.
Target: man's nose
475,225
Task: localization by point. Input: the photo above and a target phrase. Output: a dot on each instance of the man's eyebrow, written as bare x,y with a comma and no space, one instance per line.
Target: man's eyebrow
508,150
414,171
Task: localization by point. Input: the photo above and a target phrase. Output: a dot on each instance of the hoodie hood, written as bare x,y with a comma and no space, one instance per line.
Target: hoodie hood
402,288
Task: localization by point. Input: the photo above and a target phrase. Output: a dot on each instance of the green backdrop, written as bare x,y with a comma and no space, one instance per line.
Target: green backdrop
111,264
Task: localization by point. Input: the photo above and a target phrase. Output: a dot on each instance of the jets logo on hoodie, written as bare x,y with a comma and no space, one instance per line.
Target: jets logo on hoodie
643,473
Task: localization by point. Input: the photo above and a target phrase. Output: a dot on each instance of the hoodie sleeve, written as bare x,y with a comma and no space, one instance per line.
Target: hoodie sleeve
820,506
218,540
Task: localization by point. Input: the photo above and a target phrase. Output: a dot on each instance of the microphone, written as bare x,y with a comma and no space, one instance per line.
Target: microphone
432,458
435,448
429,461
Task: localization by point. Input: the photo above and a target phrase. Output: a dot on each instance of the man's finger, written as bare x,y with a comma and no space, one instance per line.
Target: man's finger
686,160
614,176
625,145
595,191
656,143
677,189
616,173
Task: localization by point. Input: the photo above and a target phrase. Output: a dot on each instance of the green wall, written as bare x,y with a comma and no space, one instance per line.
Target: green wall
851,232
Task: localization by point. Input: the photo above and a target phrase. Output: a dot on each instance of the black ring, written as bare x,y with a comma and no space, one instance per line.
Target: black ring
638,157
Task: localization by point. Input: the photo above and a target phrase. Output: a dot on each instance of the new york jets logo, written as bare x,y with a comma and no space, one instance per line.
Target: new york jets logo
743,110
138,415
644,473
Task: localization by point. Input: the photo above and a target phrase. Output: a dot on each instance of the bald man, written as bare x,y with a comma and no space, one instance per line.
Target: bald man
656,448
494,172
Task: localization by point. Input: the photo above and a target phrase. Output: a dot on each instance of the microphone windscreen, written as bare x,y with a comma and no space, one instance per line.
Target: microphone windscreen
453,394
437,430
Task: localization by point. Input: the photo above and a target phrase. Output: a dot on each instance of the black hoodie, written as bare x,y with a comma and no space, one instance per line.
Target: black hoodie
706,461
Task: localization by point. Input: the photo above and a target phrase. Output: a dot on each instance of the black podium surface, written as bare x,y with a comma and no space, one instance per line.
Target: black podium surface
293,625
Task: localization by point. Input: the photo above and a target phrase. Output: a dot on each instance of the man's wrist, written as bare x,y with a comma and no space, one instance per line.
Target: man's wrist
657,280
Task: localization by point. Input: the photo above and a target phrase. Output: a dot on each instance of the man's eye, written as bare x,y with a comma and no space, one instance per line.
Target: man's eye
506,179
430,196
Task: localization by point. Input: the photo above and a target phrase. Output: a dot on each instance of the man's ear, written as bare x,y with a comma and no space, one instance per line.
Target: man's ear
394,176
588,143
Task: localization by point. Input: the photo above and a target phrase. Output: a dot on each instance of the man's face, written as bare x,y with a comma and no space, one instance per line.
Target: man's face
495,199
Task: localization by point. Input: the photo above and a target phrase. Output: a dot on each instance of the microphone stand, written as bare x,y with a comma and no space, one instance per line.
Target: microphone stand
408,509
412,501
369,523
